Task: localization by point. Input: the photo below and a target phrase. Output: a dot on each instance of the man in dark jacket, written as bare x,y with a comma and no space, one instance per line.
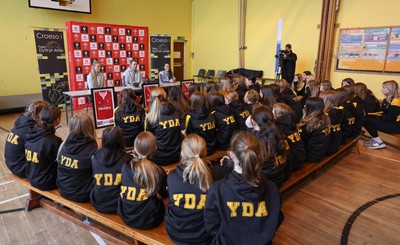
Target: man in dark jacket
288,64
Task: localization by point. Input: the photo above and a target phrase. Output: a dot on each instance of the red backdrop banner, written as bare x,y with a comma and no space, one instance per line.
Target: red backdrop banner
113,46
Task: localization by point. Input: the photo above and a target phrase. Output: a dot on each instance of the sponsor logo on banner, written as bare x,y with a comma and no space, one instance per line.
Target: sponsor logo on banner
93,46
115,46
79,77
75,29
108,38
86,62
121,31
77,45
86,54
109,61
128,39
116,69
135,46
93,38
84,29
102,53
115,39
100,30
141,33
85,37
122,53
108,30
142,54
81,100
77,53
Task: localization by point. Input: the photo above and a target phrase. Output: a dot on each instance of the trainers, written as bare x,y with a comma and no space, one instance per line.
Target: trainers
375,145
368,142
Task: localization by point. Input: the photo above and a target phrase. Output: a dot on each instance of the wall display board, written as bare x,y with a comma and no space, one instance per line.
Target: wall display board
369,50
103,106
113,46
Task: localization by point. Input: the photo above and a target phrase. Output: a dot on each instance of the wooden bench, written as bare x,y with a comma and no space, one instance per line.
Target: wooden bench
109,226
312,169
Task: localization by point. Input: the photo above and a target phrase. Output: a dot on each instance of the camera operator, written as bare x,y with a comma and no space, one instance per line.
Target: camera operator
288,63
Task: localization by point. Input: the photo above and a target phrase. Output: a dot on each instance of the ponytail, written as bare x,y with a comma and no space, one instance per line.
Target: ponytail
48,115
193,155
247,150
34,108
145,172
157,96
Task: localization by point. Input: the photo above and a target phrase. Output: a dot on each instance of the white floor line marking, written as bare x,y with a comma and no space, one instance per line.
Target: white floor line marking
14,198
4,183
99,240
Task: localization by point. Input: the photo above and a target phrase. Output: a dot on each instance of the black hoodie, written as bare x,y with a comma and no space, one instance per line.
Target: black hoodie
41,152
336,115
226,125
238,213
240,113
241,90
293,137
167,131
134,208
371,104
75,175
131,120
202,123
294,103
316,143
107,164
14,152
349,119
359,115
184,218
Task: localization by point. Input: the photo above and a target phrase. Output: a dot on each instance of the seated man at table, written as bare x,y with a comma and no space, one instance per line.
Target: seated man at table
166,75
132,77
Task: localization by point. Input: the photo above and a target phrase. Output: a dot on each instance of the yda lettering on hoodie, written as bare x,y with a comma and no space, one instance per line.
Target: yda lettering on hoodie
69,162
229,120
131,119
189,201
31,156
247,209
207,126
295,137
131,194
170,123
13,138
108,179
245,114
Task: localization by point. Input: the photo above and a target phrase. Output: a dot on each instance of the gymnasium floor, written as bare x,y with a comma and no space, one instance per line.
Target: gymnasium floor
354,201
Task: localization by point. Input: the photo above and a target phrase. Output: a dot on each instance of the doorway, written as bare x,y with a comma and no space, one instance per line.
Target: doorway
179,58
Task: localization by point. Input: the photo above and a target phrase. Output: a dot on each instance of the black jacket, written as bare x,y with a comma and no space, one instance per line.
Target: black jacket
349,119
295,104
75,175
289,67
238,213
134,208
185,223
241,90
336,115
225,125
14,152
202,123
316,143
240,113
41,152
167,131
107,164
131,120
293,137
359,115
371,104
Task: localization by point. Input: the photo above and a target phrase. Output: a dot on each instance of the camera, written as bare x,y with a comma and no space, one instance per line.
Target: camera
281,52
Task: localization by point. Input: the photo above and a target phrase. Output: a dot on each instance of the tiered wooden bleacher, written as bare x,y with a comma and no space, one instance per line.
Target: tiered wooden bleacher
112,228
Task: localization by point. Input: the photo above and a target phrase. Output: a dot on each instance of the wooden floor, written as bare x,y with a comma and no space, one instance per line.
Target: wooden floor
339,206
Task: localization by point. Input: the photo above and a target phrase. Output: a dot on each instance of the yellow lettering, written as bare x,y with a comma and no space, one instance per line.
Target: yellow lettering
108,179
202,202
352,120
233,207
123,190
142,195
171,123
13,138
125,119
261,210
118,179
229,120
326,131
131,193
245,114
28,155
31,156
248,209
98,178
164,124
190,201
177,198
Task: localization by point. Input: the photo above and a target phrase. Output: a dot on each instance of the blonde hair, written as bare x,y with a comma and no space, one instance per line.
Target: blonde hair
283,84
281,109
231,96
326,85
145,172
314,88
82,124
157,97
193,155
226,85
300,82
251,96
330,99
93,72
393,88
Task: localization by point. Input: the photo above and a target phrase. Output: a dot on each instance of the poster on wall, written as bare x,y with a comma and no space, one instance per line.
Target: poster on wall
160,48
103,106
113,46
52,64
185,87
81,6
369,49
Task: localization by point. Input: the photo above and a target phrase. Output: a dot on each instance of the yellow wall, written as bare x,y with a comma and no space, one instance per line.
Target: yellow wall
365,13
18,63
300,20
215,34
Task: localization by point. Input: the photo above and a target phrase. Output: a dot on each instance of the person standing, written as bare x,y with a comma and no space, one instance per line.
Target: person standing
132,76
288,64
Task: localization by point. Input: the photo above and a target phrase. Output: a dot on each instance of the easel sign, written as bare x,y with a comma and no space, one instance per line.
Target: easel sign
146,93
185,87
103,106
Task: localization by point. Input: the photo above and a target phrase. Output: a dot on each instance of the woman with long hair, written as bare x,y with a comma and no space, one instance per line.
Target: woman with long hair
143,185
239,110
95,78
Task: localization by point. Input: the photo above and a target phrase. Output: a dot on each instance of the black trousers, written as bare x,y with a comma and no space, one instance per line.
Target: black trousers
373,125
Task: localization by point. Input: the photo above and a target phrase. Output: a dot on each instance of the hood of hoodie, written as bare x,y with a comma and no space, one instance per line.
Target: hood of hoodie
198,113
109,157
74,144
167,108
36,133
243,189
286,121
130,108
224,109
237,104
24,122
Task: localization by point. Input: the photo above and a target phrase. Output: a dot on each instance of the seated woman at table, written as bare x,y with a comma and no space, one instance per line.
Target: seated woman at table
166,75
95,78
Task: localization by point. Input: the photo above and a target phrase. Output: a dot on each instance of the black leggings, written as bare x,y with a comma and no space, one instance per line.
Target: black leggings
373,125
